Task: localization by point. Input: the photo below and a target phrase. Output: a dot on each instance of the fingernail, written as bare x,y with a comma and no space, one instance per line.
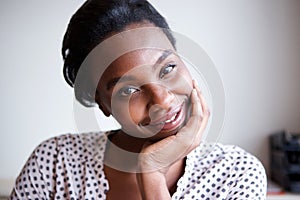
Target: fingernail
194,91
196,82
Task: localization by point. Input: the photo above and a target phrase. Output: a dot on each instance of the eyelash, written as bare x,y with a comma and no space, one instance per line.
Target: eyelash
162,73
123,91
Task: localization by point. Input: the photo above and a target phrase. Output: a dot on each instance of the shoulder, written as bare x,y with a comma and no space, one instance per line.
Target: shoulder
79,146
226,171
57,162
233,155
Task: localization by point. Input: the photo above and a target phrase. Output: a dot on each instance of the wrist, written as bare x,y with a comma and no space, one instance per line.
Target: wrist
153,185
147,165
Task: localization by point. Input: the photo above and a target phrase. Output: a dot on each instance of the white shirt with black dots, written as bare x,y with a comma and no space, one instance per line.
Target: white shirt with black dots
70,166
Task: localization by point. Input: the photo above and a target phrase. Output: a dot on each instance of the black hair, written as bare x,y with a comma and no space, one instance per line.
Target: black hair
97,19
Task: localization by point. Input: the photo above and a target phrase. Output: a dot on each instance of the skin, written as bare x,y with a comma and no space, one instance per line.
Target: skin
154,87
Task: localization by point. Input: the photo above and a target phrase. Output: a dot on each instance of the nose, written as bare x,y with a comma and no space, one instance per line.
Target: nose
160,97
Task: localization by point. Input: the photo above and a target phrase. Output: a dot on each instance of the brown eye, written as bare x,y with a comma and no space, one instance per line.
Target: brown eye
166,70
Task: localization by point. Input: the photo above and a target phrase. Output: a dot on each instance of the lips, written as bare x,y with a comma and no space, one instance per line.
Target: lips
171,120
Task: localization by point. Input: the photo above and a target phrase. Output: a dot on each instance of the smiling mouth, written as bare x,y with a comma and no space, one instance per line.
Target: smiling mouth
171,121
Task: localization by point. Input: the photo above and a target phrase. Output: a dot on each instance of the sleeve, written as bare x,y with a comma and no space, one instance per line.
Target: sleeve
30,183
34,180
250,179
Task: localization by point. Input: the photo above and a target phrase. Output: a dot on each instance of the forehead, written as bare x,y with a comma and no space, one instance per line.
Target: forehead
135,42
139,63
146,57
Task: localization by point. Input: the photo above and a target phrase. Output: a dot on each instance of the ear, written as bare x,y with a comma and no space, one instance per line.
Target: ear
102,107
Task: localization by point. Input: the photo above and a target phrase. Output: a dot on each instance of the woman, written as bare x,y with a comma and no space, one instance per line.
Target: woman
121,56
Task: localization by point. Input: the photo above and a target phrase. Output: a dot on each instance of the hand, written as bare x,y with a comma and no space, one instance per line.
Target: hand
160,155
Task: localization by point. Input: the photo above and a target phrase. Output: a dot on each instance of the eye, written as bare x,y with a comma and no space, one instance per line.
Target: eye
166,70
127,91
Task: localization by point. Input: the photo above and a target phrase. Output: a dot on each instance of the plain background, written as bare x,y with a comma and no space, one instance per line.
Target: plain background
254,44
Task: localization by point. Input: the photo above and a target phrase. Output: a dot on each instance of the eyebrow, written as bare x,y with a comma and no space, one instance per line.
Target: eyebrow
163,56
111,83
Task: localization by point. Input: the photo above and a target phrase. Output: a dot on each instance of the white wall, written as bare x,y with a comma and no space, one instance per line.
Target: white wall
255,45
35,100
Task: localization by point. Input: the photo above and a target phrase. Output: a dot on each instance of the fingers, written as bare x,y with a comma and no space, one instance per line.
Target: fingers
204,106
195,100
196,105
205,113
188,138
199,108
191,134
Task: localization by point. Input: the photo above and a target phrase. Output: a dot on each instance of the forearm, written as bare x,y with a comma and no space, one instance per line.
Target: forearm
153,186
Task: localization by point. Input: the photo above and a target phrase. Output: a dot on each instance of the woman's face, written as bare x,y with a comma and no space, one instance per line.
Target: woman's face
147,91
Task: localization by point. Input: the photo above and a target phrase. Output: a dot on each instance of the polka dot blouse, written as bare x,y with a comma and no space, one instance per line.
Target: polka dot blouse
71,167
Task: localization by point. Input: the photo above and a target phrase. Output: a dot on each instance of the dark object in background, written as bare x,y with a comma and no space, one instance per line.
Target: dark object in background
285,160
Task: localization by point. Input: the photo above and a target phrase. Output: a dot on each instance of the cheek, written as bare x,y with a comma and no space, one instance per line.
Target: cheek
181,83
137,112
129,113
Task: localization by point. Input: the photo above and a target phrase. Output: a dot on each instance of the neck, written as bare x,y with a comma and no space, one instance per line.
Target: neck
127,142
121,159
122,151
